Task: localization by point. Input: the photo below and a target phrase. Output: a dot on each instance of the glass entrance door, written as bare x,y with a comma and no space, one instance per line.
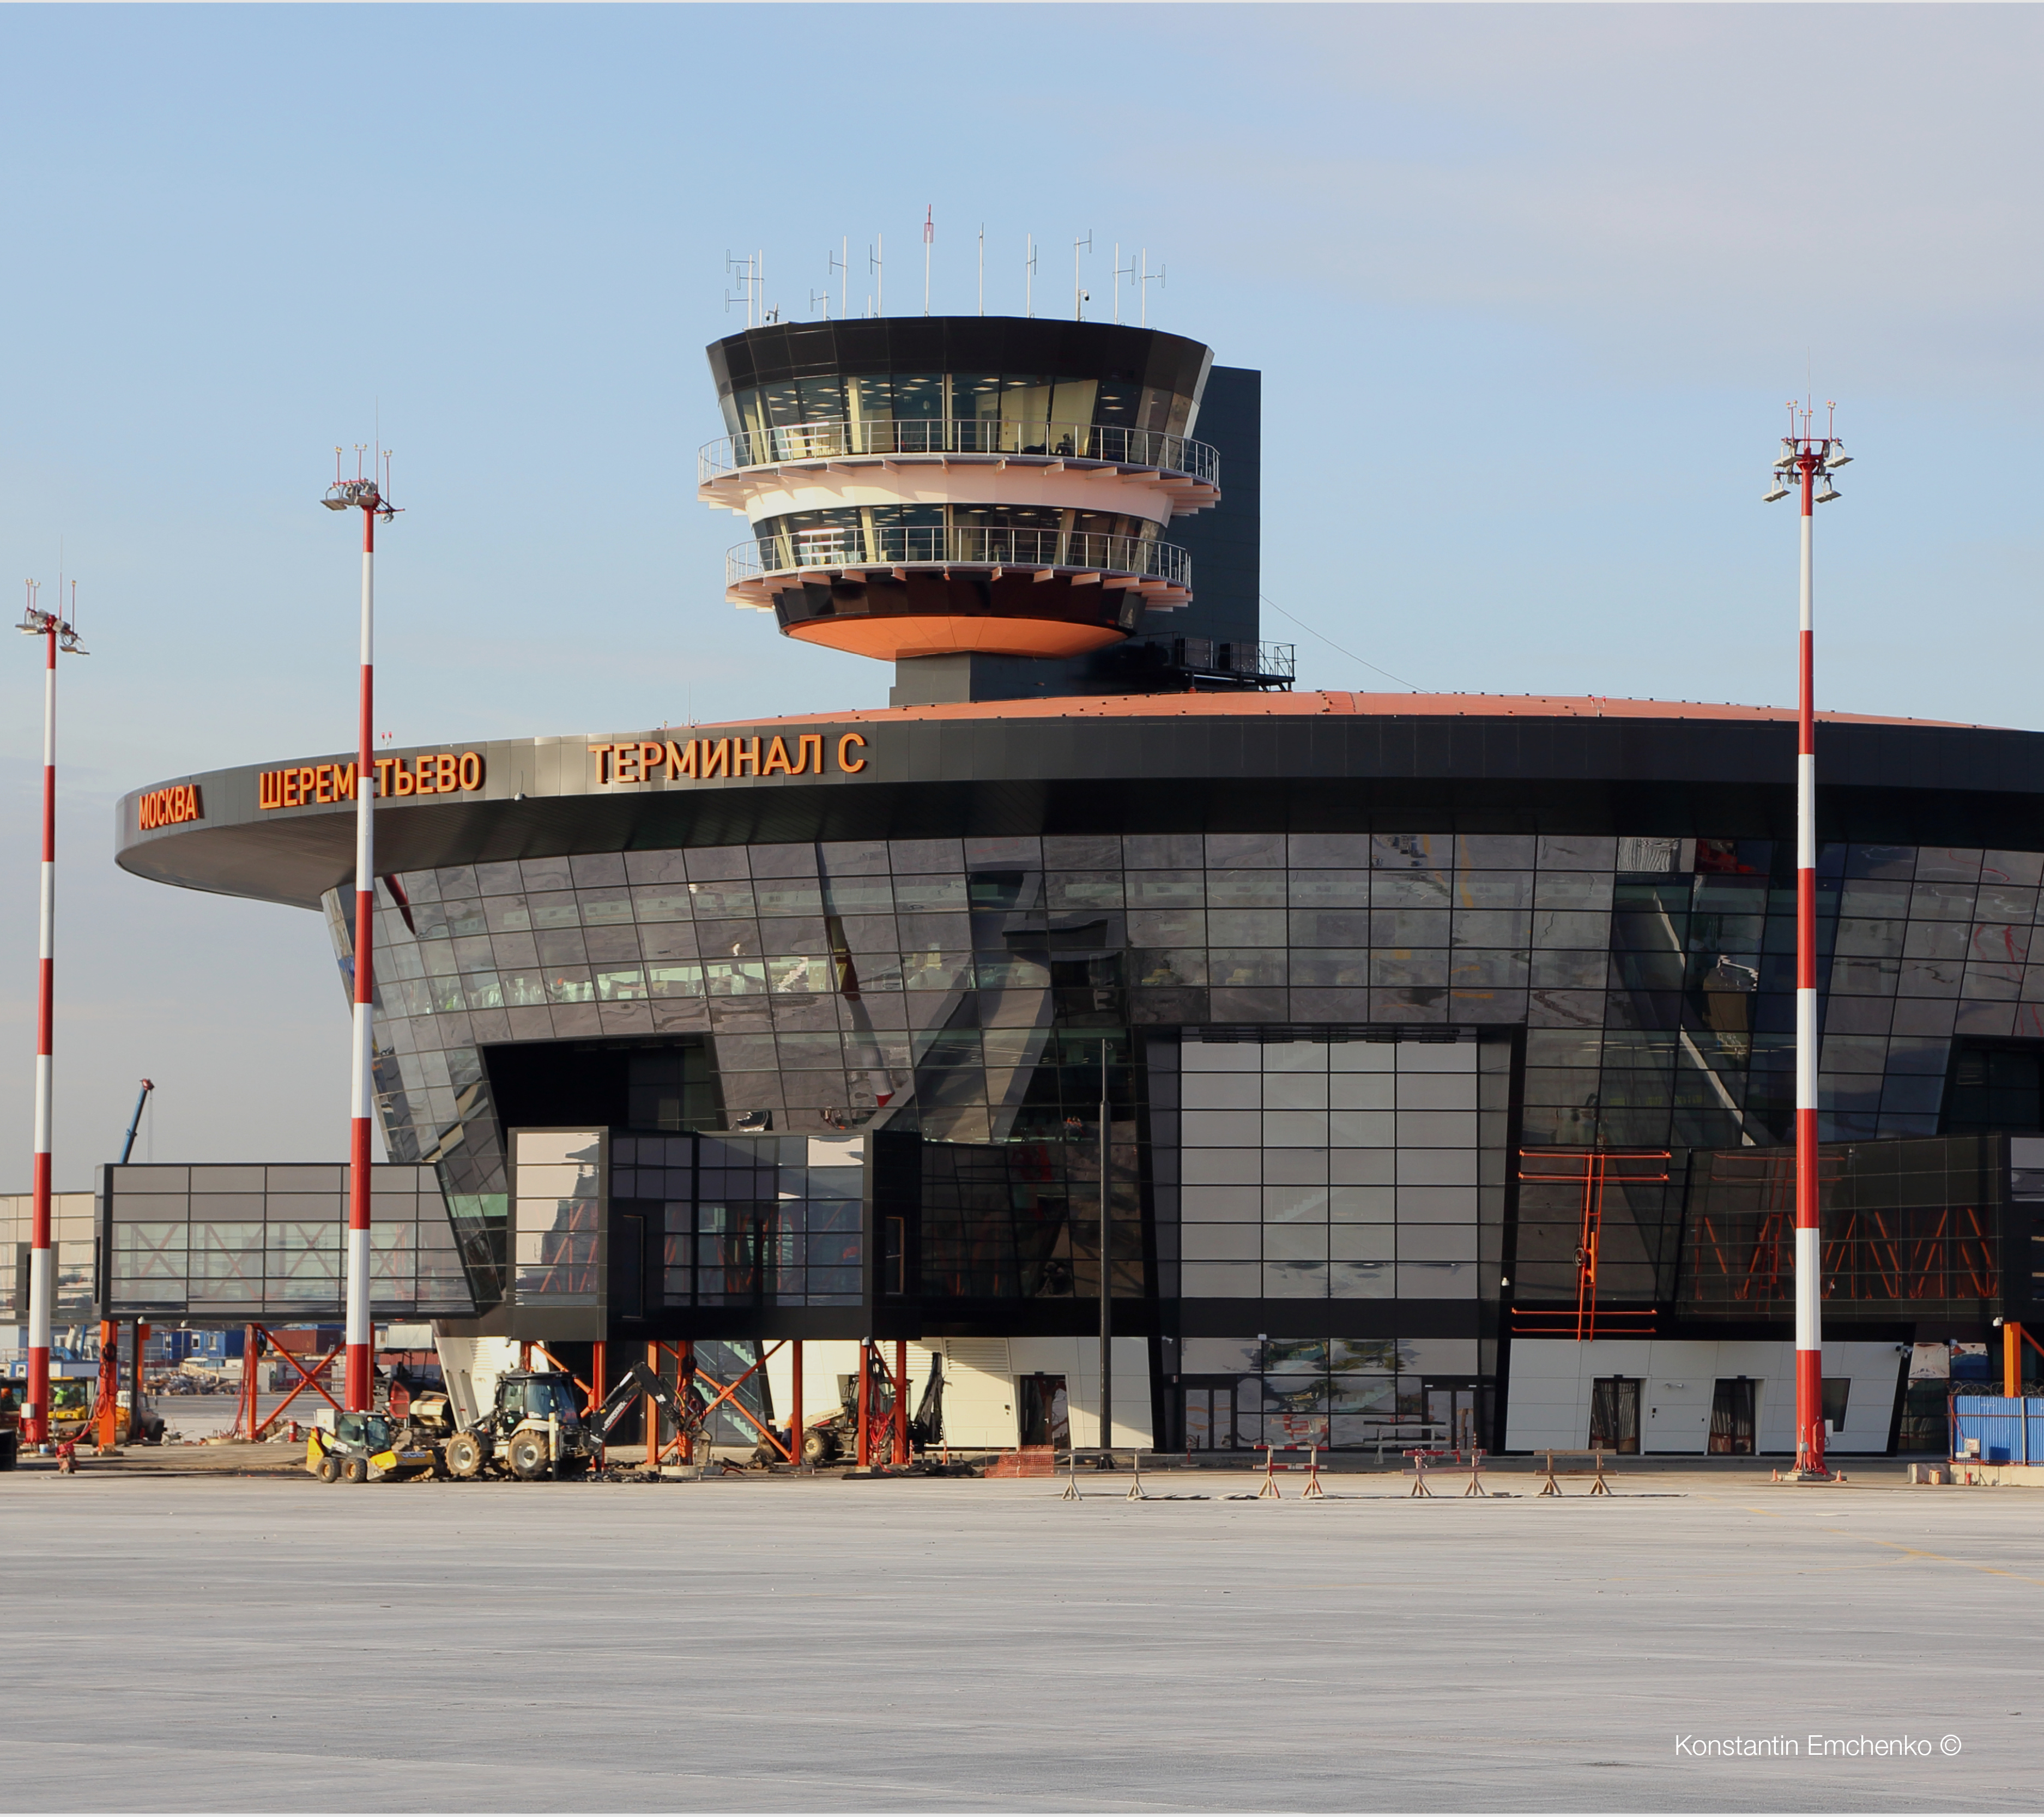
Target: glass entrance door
1207,1410
1045,1415
1732,1418
1453,1410
1615,1414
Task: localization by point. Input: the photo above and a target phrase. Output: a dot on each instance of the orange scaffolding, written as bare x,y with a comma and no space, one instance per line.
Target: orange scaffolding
1593,1170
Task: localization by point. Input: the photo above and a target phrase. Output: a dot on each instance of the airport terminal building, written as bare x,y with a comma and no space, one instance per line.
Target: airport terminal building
1446,1040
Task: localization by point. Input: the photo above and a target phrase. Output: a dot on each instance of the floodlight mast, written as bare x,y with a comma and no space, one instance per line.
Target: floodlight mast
361,494
1806,458
58,635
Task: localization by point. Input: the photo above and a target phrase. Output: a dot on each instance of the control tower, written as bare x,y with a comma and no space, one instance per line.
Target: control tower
1001,506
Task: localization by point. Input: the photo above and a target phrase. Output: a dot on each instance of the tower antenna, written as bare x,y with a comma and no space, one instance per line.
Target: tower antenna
1121,271
876,261
743,270
1147,279
929,235
982,267
1029,279
1078,295
843,266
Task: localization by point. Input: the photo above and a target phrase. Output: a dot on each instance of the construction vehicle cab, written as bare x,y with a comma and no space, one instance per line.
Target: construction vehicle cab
532,1429
74,1408
365,1448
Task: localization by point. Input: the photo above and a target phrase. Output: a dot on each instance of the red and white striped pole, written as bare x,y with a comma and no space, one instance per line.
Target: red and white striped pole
1805,460
55,633
42,1278
1809,1304
359,1390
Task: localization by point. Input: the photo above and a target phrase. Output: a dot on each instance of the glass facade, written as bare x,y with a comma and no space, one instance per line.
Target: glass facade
1342,1168
738,1220
1037,400
948,532
267,1243
1337,1060
74,1232
1344,1393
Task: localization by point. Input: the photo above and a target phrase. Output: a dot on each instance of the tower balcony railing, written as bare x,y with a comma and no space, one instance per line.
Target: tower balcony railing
1083,551
1107,445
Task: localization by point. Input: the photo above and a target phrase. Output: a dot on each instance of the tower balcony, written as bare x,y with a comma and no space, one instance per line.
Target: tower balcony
740,471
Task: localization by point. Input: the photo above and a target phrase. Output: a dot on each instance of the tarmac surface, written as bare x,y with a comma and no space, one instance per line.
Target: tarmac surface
230,1642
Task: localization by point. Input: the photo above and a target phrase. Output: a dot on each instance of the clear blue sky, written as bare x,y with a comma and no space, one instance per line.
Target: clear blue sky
1529,285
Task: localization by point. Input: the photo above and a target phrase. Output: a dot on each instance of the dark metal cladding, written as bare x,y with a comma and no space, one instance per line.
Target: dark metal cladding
1105,350
1497,766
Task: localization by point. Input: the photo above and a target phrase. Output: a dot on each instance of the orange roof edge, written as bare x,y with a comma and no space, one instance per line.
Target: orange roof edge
1332,702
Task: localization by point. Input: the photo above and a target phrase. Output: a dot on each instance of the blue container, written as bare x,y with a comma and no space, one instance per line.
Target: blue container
2010,1432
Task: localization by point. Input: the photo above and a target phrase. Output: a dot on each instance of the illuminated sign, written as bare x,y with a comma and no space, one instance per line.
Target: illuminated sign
315,785
169,807
697,759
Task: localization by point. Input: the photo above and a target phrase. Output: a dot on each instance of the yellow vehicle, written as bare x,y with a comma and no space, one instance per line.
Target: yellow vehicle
72,1399
367,1448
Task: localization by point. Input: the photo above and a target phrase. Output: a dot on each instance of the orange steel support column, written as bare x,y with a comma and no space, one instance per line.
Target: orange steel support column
795,1409
2012,1359
108,1393
864,1454
900,1402
652,1412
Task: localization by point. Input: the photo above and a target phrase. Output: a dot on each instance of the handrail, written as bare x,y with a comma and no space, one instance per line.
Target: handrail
965,547
1103,442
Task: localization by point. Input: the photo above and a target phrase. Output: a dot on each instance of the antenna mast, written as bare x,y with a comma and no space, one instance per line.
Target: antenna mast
876,261
1029,279
1142,282
1078,295
929,234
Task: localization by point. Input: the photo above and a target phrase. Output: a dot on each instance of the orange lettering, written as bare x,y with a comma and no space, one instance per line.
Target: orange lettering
384,766
446,772
681,759
407,783
323,782
291,781
810,744
306,777
470,774
745,750
344,781
716,758
777,760
624,765
844,745
269,792
601,754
